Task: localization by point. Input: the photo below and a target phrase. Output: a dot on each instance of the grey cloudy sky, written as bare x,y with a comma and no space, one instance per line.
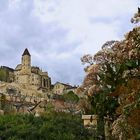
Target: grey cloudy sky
59,32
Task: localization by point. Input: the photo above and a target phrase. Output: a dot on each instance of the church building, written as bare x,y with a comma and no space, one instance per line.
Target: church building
24,73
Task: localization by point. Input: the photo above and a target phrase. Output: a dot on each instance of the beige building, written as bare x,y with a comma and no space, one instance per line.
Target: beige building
27,74
90,120
60,88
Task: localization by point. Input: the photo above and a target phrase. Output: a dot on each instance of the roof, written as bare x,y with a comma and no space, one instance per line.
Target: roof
63,84
18,67
87,117
7,68
71,87
35,67
26,52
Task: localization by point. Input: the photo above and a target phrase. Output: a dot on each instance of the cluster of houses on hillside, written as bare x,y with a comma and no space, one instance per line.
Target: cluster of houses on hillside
26,74
28,89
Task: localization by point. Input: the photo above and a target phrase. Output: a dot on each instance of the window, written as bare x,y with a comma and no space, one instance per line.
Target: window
44,82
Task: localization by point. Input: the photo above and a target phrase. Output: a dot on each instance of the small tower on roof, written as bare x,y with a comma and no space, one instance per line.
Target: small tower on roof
26,62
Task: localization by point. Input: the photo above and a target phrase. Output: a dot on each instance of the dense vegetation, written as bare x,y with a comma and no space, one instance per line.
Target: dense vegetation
112,84
70,97
3,75
50,126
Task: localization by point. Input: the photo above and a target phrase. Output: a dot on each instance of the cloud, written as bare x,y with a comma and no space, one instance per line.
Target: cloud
58,33
76,17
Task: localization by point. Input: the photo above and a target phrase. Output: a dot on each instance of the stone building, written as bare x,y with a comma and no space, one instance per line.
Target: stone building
60,88
90,120
31,75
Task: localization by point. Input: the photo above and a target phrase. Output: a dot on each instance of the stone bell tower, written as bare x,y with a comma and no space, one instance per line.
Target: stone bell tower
26,66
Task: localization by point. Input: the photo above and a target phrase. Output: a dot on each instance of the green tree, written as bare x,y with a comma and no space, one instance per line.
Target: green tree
53,126
70,97
109,73
71,100
3,101
3,75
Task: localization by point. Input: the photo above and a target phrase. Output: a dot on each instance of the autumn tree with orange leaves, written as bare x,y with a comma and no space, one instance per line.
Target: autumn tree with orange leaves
112,83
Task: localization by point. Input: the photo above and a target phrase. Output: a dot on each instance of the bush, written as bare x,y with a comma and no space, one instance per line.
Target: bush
52,126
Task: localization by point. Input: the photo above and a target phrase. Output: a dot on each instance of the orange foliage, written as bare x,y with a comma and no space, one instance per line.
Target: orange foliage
134,118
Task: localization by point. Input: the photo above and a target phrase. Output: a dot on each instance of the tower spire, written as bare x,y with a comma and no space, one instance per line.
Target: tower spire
26,52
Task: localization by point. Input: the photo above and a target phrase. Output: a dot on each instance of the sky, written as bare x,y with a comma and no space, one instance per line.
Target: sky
58,33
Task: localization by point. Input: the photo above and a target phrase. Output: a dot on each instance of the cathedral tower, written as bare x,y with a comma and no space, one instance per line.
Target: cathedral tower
26,62
25,67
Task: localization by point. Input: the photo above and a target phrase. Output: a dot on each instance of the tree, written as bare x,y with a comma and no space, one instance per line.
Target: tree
2,101
53,126
85,106
70,97
110,74
71,100
3,75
